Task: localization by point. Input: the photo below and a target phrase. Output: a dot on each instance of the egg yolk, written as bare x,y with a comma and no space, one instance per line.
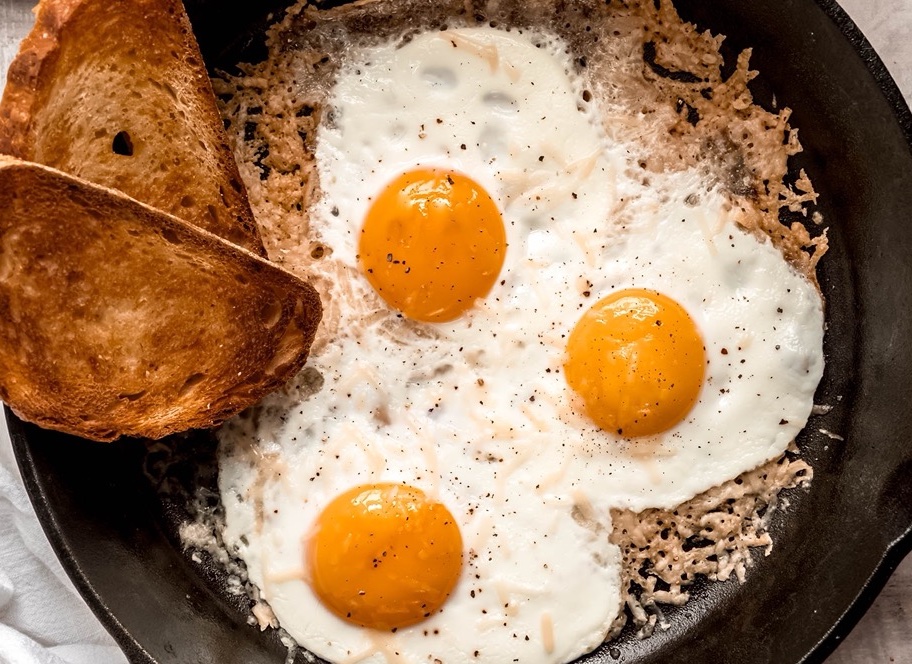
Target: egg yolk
384,556
637,360
432,243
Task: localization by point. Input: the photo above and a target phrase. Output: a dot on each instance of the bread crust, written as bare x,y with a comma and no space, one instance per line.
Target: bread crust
119,320
97,79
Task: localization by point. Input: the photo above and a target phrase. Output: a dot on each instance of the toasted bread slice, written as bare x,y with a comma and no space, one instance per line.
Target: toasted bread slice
117,319
116,92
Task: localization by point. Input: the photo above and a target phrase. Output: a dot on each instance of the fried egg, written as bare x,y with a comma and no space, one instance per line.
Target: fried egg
525,333
454,563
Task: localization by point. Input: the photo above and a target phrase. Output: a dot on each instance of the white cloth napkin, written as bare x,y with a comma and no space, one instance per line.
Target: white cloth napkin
43,620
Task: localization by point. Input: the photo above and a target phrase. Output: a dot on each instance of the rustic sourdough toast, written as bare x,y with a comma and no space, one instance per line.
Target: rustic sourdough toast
117,319
116,92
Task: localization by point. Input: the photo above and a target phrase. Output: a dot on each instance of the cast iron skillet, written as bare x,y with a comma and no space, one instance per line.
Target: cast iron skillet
836,546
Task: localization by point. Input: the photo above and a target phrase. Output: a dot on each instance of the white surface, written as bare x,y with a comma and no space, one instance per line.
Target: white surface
50,617
43,620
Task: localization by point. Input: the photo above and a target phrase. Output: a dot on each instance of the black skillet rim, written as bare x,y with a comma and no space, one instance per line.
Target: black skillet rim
50,525
892,557
902,545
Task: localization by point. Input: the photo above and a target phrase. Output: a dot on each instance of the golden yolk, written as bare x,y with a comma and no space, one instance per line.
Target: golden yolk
432,243
637,360
384,556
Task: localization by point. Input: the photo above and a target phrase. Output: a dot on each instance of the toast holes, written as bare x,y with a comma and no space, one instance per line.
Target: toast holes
192,381
8,264
132,232
171,92
134,396
213,214
271,313
253,384
288,353
241,279
170,236
187,201
317,252
122,144
236,235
